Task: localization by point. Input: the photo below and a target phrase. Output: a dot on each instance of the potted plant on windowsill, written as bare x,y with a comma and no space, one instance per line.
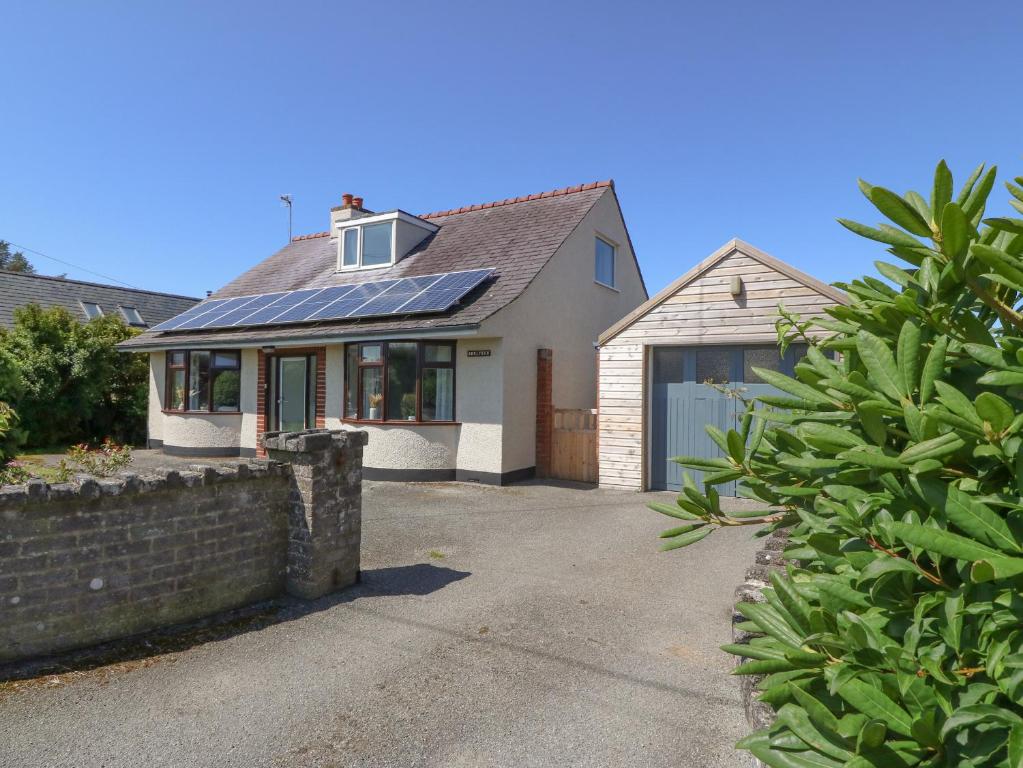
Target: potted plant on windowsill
374,405
408,406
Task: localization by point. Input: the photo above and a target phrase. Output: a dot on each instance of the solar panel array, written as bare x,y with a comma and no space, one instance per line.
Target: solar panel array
400,296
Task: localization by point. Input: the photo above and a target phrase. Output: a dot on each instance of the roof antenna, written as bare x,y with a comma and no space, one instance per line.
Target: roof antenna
286,200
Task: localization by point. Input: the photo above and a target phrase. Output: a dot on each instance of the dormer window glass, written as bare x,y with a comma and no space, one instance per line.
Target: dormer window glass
350,248
376,244
370,245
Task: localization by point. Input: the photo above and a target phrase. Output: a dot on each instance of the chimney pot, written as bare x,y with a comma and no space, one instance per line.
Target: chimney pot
346,200
357,202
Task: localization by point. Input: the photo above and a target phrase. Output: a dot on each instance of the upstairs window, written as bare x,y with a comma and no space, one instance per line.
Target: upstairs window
132,316
92,310
604,271
371,245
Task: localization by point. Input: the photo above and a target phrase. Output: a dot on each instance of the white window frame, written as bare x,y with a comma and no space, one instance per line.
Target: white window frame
85,308
342,267
127,318
614,261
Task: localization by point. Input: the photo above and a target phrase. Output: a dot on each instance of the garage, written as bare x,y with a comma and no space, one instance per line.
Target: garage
677,363
696,386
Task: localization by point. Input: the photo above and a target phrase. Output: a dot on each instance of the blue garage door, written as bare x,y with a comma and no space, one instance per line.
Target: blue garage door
683,402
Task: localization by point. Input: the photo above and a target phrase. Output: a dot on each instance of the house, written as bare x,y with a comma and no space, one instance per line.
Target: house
423,330
138,308
713,324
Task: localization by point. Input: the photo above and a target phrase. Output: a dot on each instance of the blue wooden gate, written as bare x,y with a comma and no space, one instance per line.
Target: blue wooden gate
683,403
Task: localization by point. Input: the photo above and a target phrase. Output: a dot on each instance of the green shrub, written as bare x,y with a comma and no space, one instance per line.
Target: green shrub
69,383
895,458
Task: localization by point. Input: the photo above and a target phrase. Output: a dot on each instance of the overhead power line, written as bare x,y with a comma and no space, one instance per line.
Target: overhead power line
69,264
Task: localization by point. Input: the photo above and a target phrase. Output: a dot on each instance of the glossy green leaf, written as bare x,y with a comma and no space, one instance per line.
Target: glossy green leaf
955,232
908,358
686,539
933,368
874,703
943,542
899,211
671,510
880,364
941,190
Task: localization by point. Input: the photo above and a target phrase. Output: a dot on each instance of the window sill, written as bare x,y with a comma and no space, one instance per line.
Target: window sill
399,423
171,412
609,287
367,268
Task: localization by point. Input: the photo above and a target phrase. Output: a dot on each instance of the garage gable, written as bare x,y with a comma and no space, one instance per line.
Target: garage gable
700,307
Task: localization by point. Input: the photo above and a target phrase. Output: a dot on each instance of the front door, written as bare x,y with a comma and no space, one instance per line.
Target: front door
292,394
691,389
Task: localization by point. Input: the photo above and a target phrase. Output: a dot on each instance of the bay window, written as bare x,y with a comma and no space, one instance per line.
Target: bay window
400,381
203,381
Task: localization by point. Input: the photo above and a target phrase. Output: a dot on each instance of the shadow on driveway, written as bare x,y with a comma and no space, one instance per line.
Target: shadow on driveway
140,650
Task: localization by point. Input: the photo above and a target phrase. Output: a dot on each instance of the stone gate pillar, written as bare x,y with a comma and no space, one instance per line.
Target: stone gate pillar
325,514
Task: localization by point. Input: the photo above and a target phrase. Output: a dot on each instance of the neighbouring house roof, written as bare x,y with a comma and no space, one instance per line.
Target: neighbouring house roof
732,246
18,289
515,237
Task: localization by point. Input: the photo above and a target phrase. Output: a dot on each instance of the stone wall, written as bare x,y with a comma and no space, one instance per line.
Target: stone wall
97,559
758,714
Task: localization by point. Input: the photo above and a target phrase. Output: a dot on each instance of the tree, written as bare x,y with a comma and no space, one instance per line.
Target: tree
895,458
72,384
14,262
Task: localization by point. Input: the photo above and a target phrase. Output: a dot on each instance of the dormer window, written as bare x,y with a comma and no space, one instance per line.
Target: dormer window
369,245
376,240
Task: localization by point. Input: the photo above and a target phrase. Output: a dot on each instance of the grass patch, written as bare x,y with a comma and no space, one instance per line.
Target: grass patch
436,554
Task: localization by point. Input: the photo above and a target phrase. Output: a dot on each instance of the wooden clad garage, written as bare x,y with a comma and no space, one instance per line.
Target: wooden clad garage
715,323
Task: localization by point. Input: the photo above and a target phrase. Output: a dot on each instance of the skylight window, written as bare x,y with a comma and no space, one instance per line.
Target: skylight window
132,316
92,310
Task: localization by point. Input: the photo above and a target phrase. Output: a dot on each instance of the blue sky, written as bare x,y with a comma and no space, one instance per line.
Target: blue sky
150,142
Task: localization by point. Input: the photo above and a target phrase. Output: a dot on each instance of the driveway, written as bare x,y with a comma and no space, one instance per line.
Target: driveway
530,625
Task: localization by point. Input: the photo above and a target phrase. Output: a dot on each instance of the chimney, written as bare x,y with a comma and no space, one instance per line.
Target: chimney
350,208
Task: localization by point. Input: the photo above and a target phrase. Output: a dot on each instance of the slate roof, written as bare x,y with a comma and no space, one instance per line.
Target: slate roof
516,237
18,289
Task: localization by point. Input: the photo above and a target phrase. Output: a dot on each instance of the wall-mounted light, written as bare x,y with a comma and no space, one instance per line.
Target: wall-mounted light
735,285
267,350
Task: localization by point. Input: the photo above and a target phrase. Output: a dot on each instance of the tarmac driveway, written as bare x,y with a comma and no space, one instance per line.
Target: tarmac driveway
531,625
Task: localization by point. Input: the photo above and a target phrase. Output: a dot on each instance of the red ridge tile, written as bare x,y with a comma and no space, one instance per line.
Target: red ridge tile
520,199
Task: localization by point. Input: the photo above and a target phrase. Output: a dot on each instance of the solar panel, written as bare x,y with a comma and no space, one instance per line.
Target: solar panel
310,306
446,292
230,318
394,297
200,320
463,280
198,309
433,301
351,301
380,298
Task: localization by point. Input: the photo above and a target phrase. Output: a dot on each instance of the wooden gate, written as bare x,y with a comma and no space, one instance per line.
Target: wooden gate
574,445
